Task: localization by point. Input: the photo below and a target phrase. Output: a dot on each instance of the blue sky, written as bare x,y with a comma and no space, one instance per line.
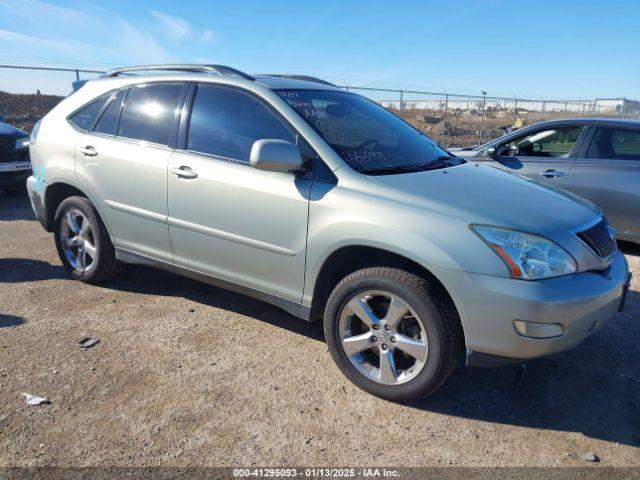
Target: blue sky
534,48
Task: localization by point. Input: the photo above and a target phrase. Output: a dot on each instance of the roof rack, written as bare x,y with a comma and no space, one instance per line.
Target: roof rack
181,67
307,78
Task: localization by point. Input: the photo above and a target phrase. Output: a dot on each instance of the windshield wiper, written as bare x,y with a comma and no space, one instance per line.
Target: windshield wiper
392,169
438,162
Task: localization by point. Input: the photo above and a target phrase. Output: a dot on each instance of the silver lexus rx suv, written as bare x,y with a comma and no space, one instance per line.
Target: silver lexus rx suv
319,201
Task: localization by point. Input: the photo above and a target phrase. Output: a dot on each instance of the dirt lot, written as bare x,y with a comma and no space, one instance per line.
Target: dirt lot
186,374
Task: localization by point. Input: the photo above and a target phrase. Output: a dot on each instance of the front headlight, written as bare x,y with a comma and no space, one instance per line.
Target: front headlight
22,143
529,257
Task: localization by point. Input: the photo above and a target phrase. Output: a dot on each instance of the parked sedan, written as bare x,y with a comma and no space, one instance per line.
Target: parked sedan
15,165
596,158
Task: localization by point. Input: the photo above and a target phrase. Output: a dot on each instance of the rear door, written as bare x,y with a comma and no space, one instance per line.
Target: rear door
544,155
608,173
123,163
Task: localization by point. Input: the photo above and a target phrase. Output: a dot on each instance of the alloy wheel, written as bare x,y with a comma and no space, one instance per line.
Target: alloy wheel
78,241
383,337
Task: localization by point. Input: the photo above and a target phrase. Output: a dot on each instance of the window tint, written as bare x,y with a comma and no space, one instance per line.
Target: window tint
148,112
617,144
226,122
556,142
84,118
108,122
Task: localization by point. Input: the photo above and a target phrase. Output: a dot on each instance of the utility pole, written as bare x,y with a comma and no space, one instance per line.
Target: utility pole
484,102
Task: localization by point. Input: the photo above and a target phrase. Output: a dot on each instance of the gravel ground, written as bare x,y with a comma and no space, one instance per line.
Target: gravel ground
186,374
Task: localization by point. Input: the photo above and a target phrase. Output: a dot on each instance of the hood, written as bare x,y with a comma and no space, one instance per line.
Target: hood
11,131
476,193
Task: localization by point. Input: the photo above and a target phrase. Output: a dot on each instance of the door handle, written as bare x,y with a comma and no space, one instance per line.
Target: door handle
184,171
89,151
552,173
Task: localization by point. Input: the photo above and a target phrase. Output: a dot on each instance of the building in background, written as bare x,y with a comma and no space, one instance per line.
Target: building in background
620,105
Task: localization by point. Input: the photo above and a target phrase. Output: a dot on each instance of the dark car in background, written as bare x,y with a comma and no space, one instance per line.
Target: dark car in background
596,158
15,165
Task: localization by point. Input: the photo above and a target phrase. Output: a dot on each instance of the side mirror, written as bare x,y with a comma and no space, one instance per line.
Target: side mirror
275,155
491,152
1,118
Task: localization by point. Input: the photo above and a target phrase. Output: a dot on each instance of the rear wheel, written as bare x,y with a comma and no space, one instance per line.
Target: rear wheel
392,333
83,242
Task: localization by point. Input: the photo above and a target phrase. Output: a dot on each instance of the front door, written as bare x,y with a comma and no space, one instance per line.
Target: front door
544,155
226,218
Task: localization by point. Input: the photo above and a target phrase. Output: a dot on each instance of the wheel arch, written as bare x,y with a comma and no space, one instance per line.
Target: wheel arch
347,259
56,193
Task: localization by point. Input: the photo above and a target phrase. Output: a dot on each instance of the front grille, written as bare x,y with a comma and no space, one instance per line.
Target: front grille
600,239
7,149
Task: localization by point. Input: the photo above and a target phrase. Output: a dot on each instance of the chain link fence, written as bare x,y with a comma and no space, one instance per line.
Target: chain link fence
28,92
468,120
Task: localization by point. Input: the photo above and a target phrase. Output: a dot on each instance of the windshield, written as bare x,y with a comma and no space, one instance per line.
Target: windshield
367,136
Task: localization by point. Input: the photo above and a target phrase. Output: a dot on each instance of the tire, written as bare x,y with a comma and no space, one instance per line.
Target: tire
429,307
103,265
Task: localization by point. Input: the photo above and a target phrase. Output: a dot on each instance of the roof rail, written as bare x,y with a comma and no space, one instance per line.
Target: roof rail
307,78
181,67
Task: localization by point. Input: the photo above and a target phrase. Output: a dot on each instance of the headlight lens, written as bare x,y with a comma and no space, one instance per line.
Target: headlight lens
22,143
529,257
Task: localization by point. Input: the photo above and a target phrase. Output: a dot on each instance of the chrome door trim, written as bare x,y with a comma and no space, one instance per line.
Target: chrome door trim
230,237
138,212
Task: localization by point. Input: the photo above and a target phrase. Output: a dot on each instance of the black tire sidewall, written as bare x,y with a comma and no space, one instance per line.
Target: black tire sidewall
429,376
100,238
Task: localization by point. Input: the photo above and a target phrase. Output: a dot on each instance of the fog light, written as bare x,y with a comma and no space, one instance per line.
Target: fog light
538,330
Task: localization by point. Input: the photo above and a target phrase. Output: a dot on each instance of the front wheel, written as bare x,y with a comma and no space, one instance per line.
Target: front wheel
392,333
83,242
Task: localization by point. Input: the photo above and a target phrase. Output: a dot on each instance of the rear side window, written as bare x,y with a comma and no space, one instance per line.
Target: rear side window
84,118
616,144
108,123
225,122
148,112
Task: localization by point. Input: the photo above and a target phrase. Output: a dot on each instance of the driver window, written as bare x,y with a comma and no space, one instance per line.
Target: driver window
226,121
557,142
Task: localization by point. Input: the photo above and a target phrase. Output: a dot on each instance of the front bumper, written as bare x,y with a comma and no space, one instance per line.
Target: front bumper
14,174
488,306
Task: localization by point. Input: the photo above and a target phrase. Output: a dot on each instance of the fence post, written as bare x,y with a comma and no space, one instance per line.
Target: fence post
77,75
544,105
565,110
444,118
401,101
515,110
484,101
